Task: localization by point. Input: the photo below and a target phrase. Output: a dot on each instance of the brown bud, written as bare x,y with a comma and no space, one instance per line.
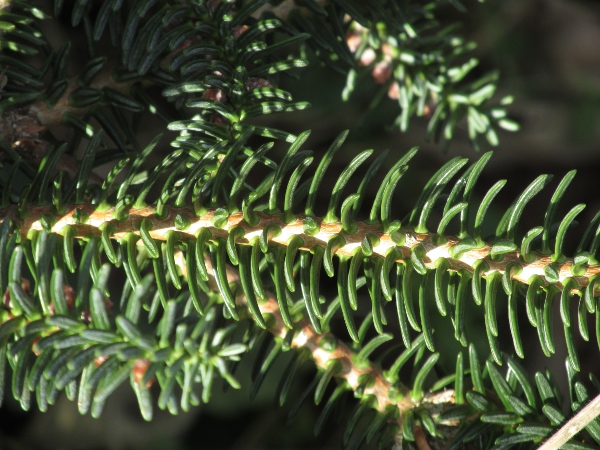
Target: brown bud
387,49
428,109
86,316
394,91
69,295
217,119
367,57
185,44
99,360
34,347
25,285
215,94
6,300
255,83
353,40
139,370
238,31
382,72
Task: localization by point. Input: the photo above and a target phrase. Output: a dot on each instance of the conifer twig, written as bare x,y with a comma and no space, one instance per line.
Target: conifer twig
307,337
574,425
411,239
22,128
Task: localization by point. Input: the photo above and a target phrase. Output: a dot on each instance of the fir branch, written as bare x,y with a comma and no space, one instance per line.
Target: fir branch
388,396
220,66
306,337
23,128
48,116
409,239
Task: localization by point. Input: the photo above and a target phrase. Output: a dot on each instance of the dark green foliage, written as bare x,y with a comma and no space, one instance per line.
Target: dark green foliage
218,242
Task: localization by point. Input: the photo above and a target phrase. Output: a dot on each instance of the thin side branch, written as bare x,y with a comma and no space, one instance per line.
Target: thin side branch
577,423
306,337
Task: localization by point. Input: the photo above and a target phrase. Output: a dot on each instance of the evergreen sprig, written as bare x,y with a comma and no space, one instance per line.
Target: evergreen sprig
214,261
